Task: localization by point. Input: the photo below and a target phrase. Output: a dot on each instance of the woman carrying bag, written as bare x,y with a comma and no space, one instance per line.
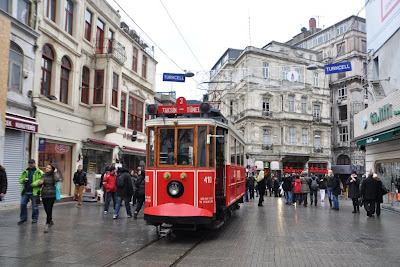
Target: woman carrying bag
49,182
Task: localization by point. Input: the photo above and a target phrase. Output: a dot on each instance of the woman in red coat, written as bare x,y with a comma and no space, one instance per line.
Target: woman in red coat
110,187
297,189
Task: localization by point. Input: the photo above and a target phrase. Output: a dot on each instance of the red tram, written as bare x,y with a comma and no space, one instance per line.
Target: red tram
195,172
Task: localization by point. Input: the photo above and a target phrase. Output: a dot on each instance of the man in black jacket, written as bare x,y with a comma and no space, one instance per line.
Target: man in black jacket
369,194
140,193
124,191
80,182
3,182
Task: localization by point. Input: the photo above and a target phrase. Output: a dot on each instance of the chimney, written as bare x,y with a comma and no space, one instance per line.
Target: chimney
312,24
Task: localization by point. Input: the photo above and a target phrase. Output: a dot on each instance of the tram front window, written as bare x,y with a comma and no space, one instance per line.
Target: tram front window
185,147
167,146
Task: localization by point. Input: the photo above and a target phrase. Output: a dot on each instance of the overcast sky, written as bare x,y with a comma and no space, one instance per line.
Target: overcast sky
212,26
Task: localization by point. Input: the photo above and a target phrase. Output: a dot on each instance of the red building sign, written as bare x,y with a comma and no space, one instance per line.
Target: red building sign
21,123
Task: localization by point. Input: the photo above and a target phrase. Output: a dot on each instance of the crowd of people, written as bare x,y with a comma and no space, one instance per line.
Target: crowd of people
367,190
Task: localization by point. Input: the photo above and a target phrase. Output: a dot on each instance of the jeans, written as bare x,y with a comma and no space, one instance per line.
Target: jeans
330,190
251,193
110,195
78,193
322,192
289,197
48,207
315,194
139,204
24,211
298,198
118,206
246,195
335,200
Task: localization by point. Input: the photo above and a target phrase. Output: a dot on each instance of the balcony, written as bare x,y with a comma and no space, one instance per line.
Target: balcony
318,150
267,147
105,118
110,47
267,113
241,115
317,119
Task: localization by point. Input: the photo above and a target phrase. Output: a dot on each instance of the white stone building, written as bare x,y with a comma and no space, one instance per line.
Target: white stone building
281,107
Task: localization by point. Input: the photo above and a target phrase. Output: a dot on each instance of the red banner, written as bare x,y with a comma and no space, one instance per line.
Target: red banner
180,108
20,123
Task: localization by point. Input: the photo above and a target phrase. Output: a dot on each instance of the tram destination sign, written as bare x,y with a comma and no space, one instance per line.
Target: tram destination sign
180,108
173,77
338,67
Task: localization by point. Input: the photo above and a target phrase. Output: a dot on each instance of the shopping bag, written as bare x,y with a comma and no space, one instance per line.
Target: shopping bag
58,194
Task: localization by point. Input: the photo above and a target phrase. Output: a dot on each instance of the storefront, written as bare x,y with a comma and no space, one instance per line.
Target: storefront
133,157
378,133
16,151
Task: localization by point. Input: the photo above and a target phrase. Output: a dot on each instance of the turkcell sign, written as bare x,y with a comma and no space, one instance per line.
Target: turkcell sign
174,77
338,67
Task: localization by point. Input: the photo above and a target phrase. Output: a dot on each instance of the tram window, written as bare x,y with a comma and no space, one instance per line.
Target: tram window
241,155
201,148
185,147
233,150
167,146
211,149
237,153
151,148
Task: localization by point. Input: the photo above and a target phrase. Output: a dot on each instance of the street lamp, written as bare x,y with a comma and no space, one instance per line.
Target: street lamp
50,97
189,74
312,67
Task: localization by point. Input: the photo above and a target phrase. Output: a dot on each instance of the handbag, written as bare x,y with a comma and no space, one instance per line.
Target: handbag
384,190
58,194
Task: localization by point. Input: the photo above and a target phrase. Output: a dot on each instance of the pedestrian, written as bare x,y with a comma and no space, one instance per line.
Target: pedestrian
287,187
140,192
110,188
124,191
28,192
269,186
329,185
48,182
314,187
3,182
353,184
255,184
379,194
296,185
251,187
276,186
336,190
134,177
246,195
80,182
261,187
369,194
322,187
305,187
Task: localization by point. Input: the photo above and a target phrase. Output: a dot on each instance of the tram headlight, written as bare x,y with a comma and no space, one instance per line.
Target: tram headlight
175,189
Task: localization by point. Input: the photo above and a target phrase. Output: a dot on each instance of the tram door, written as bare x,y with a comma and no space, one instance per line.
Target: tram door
220,167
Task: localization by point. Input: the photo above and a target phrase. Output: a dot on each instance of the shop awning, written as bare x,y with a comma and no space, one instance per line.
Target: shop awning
387,135
134,148
101,142
21,123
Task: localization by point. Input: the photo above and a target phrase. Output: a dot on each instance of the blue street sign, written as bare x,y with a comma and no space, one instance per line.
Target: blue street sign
338,67
174,77
42,144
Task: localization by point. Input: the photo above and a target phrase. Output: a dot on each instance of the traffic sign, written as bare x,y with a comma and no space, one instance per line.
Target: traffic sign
173,77
338,67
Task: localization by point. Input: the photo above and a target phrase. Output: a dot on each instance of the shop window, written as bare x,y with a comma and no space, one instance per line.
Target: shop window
132,162
64,79
46,66
144,67
389,172
98,87
88,25
123,110
15,67
85,85
99,37
201,146
51,9
185,147
69,16
114,101
96,161
167,147
134,59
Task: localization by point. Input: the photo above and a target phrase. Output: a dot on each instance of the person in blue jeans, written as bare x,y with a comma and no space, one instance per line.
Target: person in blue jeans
124,191
329,184
30,176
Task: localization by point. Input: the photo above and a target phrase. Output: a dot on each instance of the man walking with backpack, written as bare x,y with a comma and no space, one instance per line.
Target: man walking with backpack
124,191
314,189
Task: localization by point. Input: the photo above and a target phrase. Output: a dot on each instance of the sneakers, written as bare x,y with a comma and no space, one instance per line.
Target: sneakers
135,215
129,216
51,223
78,206
21,222
46,229
115,217
33,222
105,212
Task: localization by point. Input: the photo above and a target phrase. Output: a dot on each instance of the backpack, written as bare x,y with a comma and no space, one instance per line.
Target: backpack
314,184
120,181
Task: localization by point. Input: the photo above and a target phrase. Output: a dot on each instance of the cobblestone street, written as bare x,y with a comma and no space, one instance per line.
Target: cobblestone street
273,235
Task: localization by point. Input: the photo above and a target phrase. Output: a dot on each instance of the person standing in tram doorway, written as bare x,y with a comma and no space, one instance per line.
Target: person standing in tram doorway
28,192
3,182
80,182
261,187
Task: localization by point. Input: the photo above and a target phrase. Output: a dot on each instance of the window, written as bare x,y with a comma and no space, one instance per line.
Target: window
342,93
376,68
64,79
201,146
341,49
285,71
266,70
185,147
365,69
231,107
343,160
110,41
304,105
304,136
88,25
320,56
51,9
282,135
291,103
98,86
317,112
233,150
151,147
291,135
341,29
167,146
114,101
135,59
364,46
47,62
366,93
99,37
299,72
135,114
211,157
266,104
123,110
69,10
85,85
343,113
317,140
144,67
4,5
316,80
23,10
15,68
343,134
266,136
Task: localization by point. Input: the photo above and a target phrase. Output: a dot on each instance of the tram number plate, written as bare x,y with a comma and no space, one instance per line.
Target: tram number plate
208,179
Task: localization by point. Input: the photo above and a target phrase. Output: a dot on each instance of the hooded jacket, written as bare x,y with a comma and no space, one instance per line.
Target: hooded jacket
49,184
109,182
124,184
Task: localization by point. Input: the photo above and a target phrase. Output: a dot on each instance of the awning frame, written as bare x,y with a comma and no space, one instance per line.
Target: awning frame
380,137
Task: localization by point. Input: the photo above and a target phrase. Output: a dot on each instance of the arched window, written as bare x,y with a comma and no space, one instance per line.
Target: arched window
85,85
15,68
47,63
64,80
343,160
